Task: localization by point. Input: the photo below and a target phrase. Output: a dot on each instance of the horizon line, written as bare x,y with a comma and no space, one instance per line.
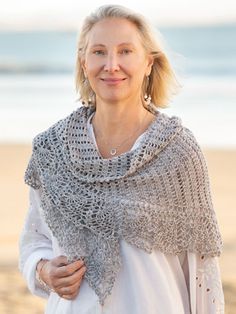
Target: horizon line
61,28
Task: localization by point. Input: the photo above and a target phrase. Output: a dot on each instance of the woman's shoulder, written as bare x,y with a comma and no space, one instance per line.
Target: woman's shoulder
184,142
189,150
176,123
57,130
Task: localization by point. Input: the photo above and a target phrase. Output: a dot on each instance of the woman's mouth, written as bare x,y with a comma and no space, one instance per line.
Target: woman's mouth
113,81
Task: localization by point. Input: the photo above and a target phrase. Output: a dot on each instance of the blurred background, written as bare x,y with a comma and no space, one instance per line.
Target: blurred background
37,60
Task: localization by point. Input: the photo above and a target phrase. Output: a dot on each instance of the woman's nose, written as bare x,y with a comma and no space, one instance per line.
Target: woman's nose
111,63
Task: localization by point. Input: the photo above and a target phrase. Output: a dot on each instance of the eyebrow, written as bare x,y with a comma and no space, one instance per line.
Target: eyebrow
122,44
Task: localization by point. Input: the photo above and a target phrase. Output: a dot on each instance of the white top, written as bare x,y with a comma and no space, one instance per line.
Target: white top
147,283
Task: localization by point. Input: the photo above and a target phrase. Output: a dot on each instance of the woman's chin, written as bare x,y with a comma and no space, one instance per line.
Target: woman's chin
111,99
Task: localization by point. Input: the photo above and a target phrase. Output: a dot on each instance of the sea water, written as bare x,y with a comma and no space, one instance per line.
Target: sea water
37,82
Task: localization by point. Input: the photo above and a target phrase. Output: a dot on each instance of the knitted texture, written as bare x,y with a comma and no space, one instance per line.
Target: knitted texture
156,196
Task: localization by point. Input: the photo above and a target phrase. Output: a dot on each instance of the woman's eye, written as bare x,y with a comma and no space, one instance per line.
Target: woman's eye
126,51
99,52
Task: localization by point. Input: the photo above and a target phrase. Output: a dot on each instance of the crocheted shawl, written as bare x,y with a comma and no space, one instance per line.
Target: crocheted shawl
156,196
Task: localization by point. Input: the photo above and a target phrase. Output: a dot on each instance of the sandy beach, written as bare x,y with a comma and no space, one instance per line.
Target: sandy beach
14,296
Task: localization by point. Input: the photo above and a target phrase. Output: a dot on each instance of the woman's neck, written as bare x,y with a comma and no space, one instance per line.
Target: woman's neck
120,121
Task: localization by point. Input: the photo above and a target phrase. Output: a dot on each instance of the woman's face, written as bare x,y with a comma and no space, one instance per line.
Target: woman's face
115,61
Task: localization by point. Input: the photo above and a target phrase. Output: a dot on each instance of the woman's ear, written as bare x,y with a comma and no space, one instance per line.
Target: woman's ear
82,62
149,65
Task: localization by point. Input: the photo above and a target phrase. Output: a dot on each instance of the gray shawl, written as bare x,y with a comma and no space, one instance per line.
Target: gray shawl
156,196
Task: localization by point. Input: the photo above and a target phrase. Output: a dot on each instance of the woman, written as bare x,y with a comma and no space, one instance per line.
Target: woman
121,218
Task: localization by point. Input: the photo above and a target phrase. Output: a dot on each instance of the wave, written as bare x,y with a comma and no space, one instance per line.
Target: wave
34,69
196,67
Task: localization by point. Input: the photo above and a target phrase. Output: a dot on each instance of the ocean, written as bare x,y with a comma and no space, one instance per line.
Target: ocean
37,82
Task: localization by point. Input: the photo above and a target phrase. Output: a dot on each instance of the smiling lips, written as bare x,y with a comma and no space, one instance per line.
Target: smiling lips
113,81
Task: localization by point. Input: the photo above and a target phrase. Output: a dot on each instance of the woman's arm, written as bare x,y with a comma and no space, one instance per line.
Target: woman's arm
206,292
35,243
36,254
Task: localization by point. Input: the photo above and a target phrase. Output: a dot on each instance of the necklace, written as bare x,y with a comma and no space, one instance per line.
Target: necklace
113,150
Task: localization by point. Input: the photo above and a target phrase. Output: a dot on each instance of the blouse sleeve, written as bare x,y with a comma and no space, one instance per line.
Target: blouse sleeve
206,292
35,243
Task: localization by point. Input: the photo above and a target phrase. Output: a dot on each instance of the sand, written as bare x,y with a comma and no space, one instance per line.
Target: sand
14,296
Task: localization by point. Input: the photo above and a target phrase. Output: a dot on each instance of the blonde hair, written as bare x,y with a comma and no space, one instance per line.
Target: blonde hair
162,82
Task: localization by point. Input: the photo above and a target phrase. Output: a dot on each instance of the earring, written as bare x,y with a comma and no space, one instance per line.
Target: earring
89,102
147,99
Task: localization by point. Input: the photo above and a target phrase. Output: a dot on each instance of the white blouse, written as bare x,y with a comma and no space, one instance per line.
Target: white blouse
146,284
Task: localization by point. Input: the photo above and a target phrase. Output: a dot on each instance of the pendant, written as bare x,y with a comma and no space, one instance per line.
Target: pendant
113,151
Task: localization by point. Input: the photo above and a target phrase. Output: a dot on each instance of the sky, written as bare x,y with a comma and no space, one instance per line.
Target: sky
69,14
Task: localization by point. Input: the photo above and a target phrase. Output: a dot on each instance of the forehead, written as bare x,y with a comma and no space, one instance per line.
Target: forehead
114,31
